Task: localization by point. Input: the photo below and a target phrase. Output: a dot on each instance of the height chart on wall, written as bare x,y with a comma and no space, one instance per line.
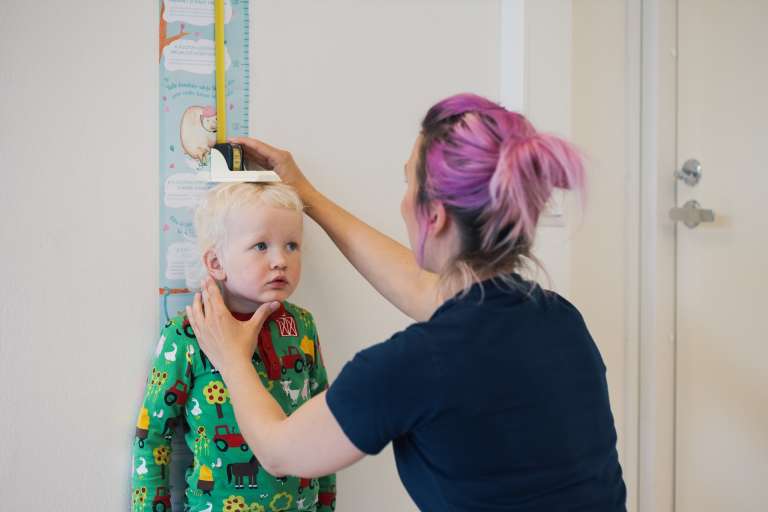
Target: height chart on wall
188,125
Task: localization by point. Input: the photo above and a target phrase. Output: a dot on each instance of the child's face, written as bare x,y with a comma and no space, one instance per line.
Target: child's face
261,259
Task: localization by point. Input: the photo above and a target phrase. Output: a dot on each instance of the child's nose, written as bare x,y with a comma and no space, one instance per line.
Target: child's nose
278,260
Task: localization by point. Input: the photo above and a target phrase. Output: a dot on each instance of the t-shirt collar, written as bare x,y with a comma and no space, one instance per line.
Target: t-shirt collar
489,290
244,317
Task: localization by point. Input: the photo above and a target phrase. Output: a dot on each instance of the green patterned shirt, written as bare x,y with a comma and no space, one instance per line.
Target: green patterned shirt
184,388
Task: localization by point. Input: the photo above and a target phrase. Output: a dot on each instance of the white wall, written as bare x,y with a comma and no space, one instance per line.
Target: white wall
78,235
603,263
344,87
341,83
547,103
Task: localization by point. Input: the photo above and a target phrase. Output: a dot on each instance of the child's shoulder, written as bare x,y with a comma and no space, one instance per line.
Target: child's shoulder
299,312
179,328
295,309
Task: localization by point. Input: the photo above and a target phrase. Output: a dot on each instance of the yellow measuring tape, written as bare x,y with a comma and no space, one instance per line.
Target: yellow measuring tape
221,77
227,162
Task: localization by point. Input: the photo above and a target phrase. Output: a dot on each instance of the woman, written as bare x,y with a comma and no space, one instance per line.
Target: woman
496,399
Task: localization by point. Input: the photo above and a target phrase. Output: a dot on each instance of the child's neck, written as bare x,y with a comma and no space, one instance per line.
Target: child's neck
238,305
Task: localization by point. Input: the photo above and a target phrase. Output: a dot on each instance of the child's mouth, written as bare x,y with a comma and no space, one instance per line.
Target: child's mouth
279,282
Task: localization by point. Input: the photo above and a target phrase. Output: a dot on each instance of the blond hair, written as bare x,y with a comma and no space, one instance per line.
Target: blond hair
218,204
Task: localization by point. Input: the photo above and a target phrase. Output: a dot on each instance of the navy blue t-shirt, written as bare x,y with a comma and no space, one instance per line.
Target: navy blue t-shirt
493,404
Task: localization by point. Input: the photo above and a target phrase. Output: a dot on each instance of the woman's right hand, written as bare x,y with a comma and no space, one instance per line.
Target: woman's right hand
275,159
385,263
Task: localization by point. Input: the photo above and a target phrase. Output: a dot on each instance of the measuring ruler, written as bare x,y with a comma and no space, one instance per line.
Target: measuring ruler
192,119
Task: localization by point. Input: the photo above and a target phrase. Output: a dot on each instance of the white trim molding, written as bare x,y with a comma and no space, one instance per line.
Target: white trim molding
656,355
633,92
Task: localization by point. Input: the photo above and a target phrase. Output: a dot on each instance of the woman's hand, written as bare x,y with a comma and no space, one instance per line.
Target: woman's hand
278,160
389,266
226,341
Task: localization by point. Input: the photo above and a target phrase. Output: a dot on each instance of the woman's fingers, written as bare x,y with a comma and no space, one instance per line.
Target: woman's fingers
215,300
261,315
210,295
195,314
273,158
206,299
252,154
192,319
259,161
266,155
197,309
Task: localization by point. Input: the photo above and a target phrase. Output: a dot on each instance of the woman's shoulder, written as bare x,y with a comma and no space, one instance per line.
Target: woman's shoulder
508,300
414,345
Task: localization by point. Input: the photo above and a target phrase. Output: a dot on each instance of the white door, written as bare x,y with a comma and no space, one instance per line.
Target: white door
721,437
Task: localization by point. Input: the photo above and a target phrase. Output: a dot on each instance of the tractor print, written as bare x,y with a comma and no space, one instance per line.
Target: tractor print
273,363
308,347
327,499
162,501
187,327
224,439
294,360
177,394
306,483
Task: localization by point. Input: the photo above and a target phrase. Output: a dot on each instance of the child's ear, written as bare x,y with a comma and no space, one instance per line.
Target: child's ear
213,265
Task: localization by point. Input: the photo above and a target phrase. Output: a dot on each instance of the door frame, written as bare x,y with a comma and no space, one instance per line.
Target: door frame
651,247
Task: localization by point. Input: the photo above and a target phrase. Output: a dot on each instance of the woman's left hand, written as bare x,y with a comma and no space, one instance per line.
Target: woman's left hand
225,340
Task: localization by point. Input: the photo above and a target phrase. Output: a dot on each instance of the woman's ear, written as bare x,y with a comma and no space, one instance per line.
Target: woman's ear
438,220
212,264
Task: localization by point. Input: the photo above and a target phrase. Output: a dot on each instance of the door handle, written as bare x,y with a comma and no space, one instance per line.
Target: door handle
691,214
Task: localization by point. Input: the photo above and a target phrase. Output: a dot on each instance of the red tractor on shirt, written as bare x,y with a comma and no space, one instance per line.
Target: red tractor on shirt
274,364
306,483
162,501
177,394
224,439
294,360
327,499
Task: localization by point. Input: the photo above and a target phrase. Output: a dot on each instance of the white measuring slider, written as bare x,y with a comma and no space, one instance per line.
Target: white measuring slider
220,171
227,161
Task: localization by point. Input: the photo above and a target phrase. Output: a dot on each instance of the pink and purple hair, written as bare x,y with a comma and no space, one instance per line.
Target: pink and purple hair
494,173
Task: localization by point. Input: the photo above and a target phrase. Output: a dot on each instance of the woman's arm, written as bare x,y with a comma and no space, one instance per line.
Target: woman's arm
310,443
388,265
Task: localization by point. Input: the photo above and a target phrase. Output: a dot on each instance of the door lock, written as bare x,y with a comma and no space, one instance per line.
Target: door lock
690,173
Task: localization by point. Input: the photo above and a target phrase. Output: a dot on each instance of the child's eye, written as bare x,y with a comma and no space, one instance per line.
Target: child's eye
261,246
292,246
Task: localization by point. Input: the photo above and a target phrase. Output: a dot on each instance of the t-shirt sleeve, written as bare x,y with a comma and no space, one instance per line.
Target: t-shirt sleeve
168,385
387,390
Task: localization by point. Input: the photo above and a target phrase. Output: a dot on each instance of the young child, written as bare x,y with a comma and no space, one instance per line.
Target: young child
249,237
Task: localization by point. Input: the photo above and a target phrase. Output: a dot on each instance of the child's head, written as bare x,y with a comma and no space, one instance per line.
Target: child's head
249,236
